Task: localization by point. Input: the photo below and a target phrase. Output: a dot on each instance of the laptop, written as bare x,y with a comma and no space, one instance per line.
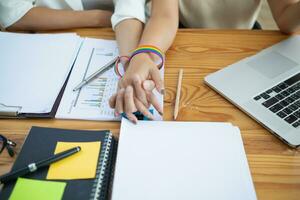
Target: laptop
266,86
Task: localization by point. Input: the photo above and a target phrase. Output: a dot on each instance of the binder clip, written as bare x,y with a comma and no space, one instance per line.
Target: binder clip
9,111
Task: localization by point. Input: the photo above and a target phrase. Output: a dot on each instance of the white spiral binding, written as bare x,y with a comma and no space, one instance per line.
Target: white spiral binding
101,172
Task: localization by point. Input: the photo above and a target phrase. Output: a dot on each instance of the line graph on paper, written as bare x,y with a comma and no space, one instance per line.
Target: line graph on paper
91,101
95,95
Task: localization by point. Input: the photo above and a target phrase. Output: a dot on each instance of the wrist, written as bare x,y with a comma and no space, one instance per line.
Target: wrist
141,59
99,18
152,52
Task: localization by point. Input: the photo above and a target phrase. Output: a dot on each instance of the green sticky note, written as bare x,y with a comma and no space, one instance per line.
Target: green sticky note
28,189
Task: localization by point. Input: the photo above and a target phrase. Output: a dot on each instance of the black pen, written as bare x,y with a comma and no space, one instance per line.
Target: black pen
32,167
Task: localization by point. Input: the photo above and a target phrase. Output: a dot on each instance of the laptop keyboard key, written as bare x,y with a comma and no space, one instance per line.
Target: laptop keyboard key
279,96
293,107
257,98
288,111
290,119
284,103
295,97
270,102
297,114
290,99
296,124
283,86
276,108
293,79
281,114
297,85
269,91
285,93
297,103
276,89
265,96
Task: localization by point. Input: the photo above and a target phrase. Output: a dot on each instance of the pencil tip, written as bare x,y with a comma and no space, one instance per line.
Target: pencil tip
175,116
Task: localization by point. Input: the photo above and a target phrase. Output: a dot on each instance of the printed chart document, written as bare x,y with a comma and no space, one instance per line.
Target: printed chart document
33,69
91,101
181,160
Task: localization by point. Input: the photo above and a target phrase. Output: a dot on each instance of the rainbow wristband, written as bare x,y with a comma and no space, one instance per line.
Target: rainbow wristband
149,49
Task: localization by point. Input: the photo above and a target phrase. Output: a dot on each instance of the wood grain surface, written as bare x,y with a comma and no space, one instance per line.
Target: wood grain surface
274,166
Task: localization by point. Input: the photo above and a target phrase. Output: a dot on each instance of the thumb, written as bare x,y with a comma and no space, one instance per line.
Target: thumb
155,75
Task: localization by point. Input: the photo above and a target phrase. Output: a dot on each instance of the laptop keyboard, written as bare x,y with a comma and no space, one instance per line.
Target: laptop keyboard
283,100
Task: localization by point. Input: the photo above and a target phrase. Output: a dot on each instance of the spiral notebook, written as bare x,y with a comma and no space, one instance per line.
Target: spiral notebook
41,143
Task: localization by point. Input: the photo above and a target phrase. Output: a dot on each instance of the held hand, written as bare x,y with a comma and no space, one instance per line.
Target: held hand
148,85
142,68
132,95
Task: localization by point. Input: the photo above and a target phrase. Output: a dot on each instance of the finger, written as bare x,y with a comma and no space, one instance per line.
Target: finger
148,85
155,75
144,110
129,104
120,84
139,91
132,118
154,101
119,101
112,101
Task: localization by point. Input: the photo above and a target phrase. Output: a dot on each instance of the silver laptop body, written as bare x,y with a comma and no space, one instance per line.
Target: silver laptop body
267,87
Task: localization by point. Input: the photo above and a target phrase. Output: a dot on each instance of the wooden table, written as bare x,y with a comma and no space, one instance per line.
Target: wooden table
275,167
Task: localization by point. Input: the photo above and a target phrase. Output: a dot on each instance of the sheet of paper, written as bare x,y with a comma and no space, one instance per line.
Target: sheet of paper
29,189
181,160
34,68
81,165
91,102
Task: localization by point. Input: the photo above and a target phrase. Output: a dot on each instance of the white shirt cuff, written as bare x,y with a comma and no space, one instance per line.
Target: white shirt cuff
128,9
11,12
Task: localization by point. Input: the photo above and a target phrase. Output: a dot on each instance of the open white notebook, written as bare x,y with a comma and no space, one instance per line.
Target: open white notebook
181,160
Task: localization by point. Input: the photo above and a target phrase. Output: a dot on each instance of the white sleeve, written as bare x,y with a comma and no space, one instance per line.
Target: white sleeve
128,9
12,11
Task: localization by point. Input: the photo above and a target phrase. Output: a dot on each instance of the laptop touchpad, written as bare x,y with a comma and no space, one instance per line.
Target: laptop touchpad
272,64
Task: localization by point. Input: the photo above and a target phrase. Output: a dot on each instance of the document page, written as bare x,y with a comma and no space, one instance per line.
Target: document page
33,69
181,160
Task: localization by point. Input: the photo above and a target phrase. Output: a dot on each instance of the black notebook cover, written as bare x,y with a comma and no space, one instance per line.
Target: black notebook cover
41,143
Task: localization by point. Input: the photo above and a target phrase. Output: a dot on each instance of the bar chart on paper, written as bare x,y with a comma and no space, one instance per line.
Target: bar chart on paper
91,101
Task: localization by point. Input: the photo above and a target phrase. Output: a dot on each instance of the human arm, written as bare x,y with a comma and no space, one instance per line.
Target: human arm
42,19
286,14
128,35
159,31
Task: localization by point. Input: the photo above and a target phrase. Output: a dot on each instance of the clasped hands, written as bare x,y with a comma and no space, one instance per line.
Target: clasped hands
135,88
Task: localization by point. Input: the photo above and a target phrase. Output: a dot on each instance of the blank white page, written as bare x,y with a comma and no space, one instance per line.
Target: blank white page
181,160
34,67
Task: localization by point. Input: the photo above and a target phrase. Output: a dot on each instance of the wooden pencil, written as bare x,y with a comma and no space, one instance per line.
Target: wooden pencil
177,101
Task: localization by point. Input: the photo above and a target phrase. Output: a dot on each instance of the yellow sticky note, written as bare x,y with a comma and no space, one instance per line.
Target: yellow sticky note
81,165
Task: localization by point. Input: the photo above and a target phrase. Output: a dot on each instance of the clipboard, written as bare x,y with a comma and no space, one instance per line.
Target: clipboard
9,111
34,72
